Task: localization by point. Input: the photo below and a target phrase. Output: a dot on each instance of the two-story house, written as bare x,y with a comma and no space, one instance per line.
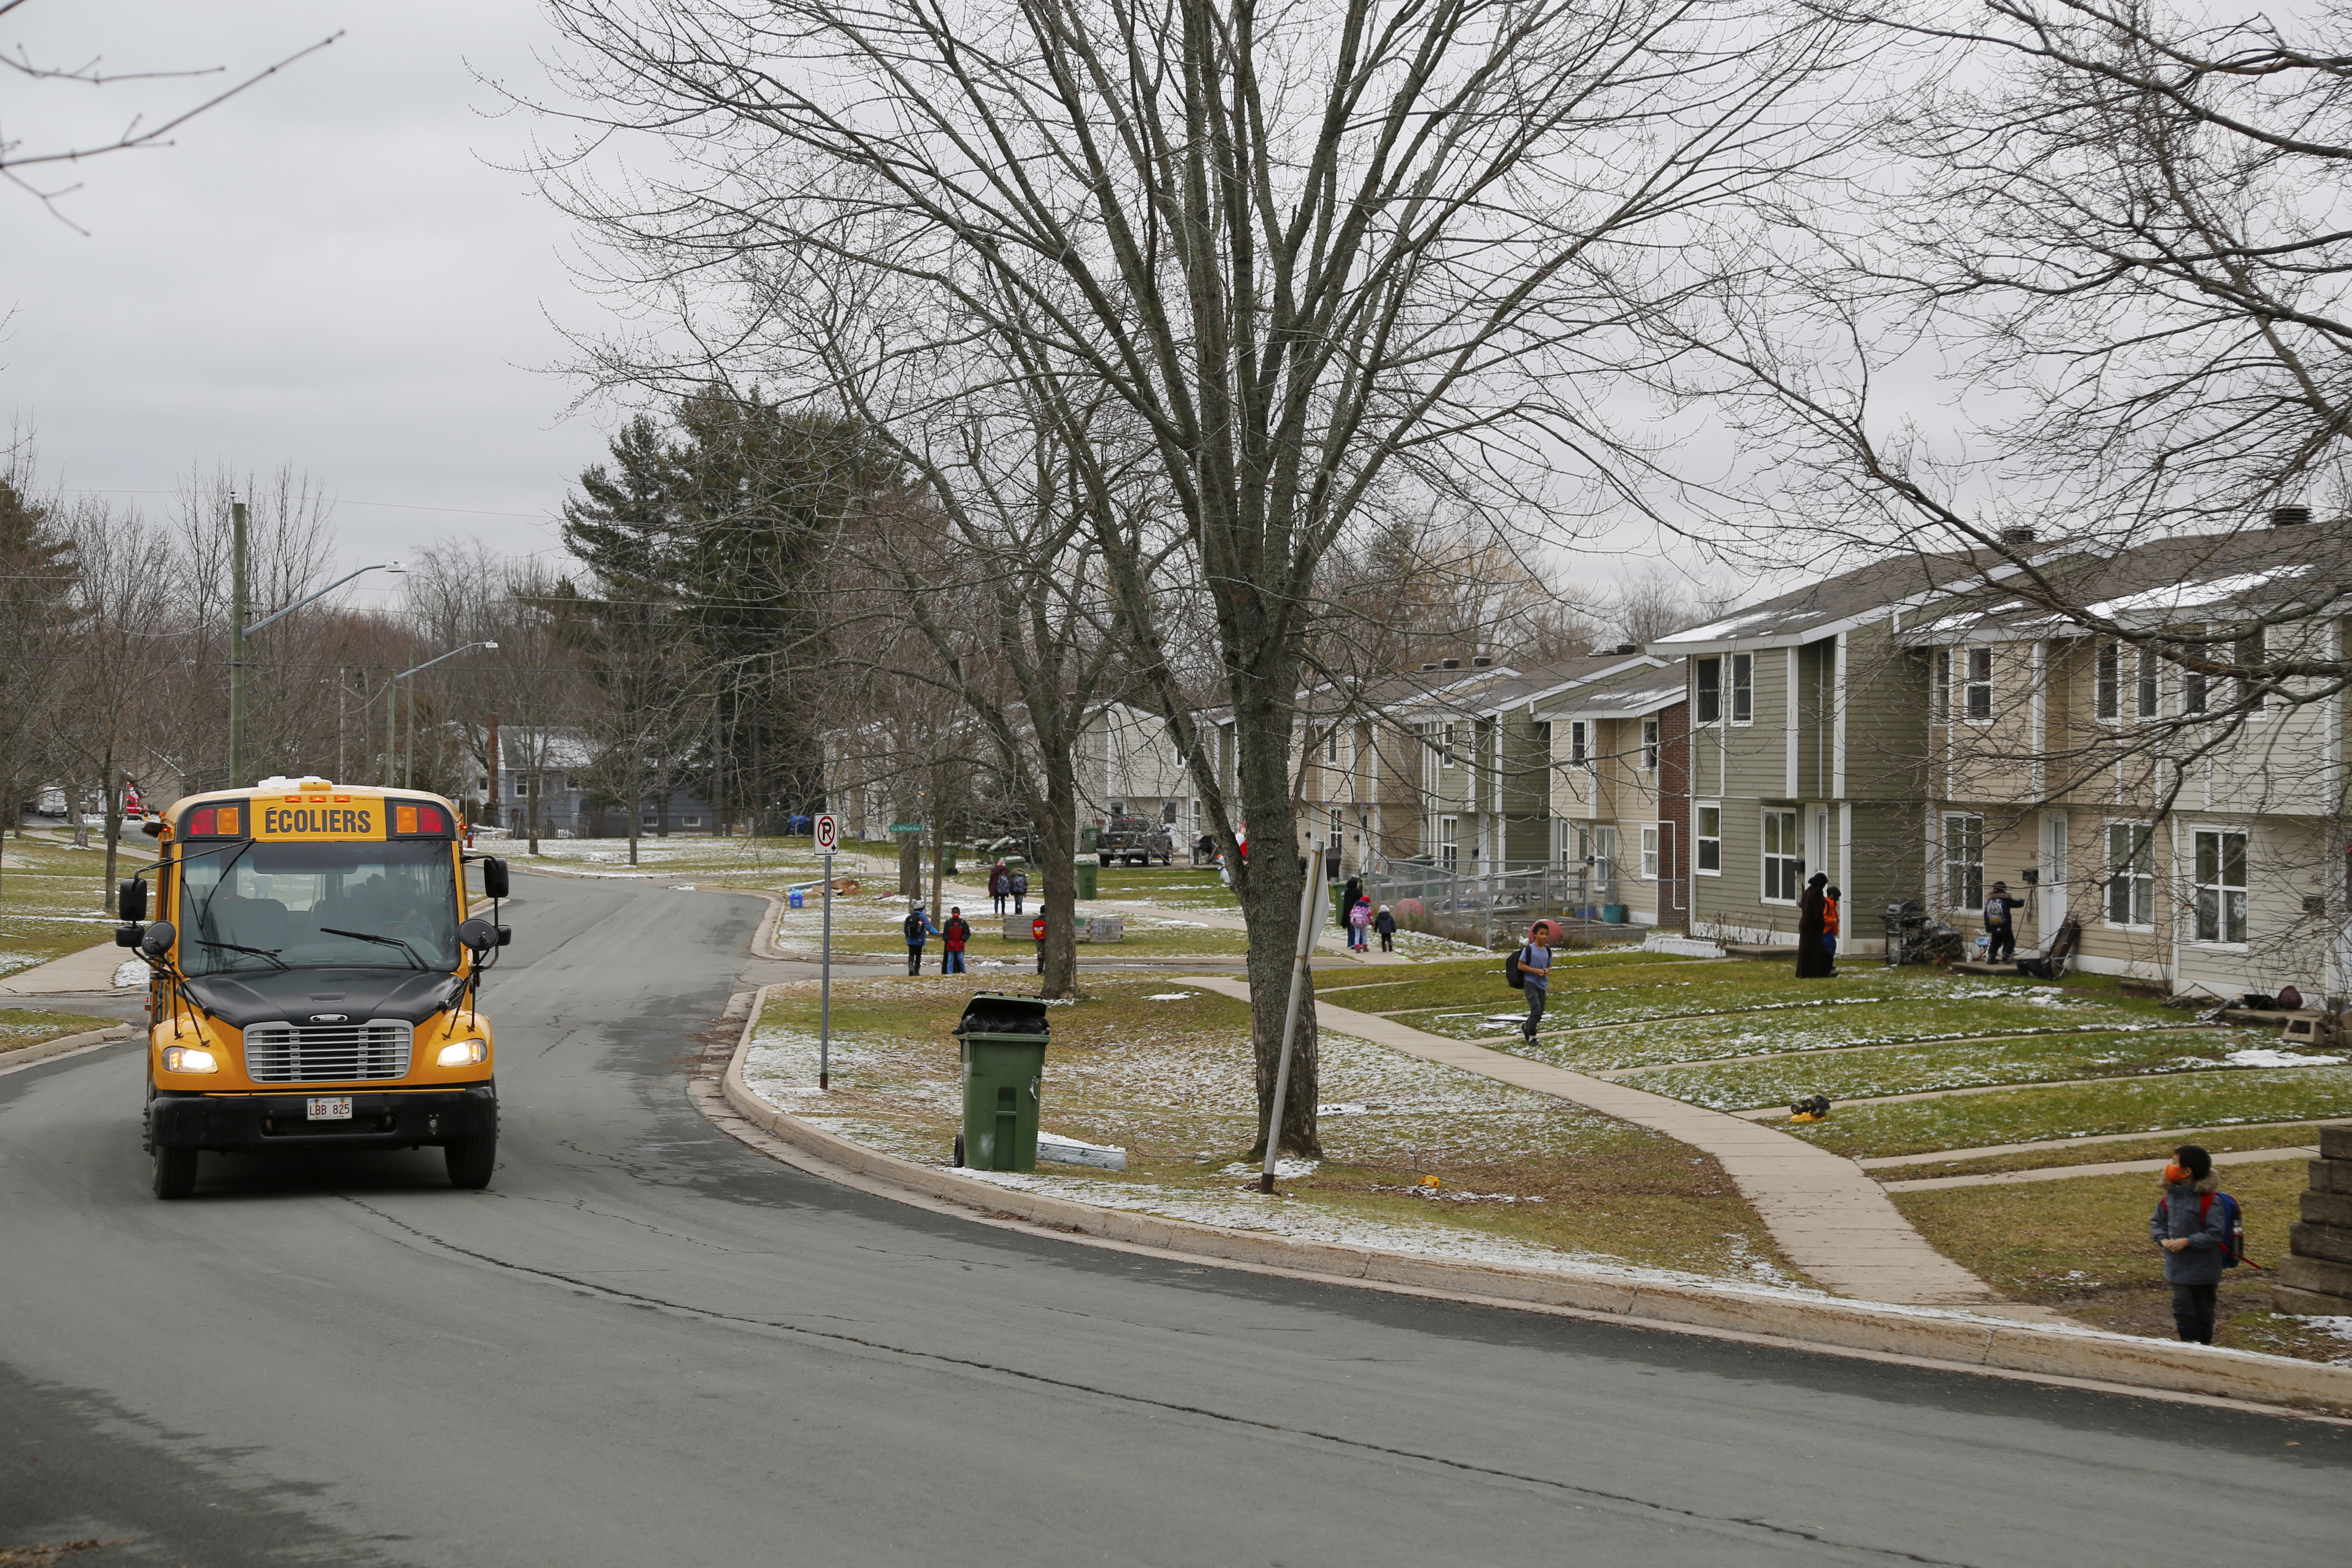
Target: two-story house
1619,750
2079,769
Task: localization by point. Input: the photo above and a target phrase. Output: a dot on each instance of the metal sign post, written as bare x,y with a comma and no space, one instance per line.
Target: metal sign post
828,835
1310,922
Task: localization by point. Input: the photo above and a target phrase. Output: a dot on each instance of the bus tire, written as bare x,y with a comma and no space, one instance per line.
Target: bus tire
472,1159
173,1171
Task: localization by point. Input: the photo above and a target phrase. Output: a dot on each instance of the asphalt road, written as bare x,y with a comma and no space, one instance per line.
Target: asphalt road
647,1344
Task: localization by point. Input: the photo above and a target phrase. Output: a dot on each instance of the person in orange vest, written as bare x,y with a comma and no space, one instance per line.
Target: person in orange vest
1037,930
1830,928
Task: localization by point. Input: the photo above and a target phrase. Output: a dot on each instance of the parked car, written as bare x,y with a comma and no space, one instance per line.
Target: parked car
1135,841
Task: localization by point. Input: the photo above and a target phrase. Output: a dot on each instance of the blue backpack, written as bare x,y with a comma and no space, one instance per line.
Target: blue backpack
2233,1226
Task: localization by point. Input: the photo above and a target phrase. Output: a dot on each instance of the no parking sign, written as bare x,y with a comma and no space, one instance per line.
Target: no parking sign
828,832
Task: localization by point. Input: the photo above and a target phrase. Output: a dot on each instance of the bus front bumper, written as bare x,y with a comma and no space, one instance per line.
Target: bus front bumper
385,1119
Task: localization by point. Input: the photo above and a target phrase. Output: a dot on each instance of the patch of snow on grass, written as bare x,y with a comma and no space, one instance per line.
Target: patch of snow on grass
1172,997
1290,1168
2263,1057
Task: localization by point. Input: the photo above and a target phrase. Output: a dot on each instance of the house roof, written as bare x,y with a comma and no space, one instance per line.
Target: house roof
1564,674
565,747
1632,694
2161,583
1835,603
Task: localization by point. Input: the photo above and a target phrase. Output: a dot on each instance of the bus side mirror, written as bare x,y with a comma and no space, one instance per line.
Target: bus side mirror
131,900
158,941
494,877
479,934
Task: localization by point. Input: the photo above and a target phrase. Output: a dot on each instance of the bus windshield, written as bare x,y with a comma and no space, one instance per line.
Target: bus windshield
254,906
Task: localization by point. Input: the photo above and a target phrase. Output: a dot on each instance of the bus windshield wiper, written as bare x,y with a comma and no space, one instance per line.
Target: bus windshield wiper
268,952
415,959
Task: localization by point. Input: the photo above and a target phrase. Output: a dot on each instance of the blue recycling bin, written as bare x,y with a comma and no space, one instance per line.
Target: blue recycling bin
798,901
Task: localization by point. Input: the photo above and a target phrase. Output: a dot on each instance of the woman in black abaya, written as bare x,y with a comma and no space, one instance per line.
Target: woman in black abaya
1812,923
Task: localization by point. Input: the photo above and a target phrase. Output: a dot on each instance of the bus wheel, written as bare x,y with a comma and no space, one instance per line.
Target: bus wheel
173,1171
472,1159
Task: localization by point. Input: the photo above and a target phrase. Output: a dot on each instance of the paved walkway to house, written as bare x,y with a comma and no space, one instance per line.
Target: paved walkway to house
1829,1218
2111,1168
2041,1145
92,969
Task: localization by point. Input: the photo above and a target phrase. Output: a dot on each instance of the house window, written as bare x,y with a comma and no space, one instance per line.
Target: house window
1710,841
2146,692
2221,886
1331,745
1977,696
650,818
2192,691
1743,688
1580,751
1650,852
1601,849
2131,874
1784,866
2105,683
521,789
1337,827
2252,654
1449,847
1964,862
1709,701
1649,745
689,822
1939,697
1445,745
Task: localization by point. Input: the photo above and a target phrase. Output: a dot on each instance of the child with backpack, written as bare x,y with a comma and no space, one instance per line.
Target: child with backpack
1529,969
1360,926
2202,1233
1385,923
1829,927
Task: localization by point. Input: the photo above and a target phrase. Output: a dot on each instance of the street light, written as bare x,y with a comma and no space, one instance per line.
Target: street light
408,762
238,631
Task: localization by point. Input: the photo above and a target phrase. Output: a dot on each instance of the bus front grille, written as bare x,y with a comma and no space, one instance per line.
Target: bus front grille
327,1053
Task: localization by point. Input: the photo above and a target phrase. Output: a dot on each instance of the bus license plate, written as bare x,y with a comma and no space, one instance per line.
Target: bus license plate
335,1108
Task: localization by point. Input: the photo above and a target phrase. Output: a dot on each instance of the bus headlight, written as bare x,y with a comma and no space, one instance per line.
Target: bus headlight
463,1054
188,1058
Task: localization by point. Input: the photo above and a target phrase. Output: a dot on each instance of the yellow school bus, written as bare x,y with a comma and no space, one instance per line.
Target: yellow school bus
315,977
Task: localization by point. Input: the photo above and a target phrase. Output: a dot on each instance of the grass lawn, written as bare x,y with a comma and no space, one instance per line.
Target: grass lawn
1165,1073
1178,887
1682,1017
1914,1069
2082,1246
53,896
22,1026
2134,1105
1475,981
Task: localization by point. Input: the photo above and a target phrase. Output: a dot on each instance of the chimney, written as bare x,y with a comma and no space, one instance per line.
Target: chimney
2017,536
2290,516
1429,666
1480,661
1453,664
1627,648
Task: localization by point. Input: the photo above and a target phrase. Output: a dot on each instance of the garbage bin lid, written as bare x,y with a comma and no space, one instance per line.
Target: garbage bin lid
1000,1013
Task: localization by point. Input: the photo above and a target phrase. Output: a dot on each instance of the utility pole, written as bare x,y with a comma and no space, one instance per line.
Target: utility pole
236,612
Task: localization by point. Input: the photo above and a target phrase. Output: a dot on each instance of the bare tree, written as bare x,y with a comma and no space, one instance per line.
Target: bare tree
106,700
141,131
1321,254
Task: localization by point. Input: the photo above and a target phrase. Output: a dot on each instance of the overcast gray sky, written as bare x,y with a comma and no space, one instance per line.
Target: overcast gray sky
327,271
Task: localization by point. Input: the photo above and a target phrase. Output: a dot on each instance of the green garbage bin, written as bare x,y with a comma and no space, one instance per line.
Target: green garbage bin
1003,1043
1089,875
948,853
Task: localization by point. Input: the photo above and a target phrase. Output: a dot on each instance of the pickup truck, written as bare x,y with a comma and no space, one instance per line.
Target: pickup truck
1135,841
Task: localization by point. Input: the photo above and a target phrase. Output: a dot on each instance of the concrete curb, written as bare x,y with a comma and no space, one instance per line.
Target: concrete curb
1946,1337
26,1056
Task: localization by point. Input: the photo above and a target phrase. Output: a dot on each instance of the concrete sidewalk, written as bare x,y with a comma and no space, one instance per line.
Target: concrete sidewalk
91,969
2109,1168
1828,1216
